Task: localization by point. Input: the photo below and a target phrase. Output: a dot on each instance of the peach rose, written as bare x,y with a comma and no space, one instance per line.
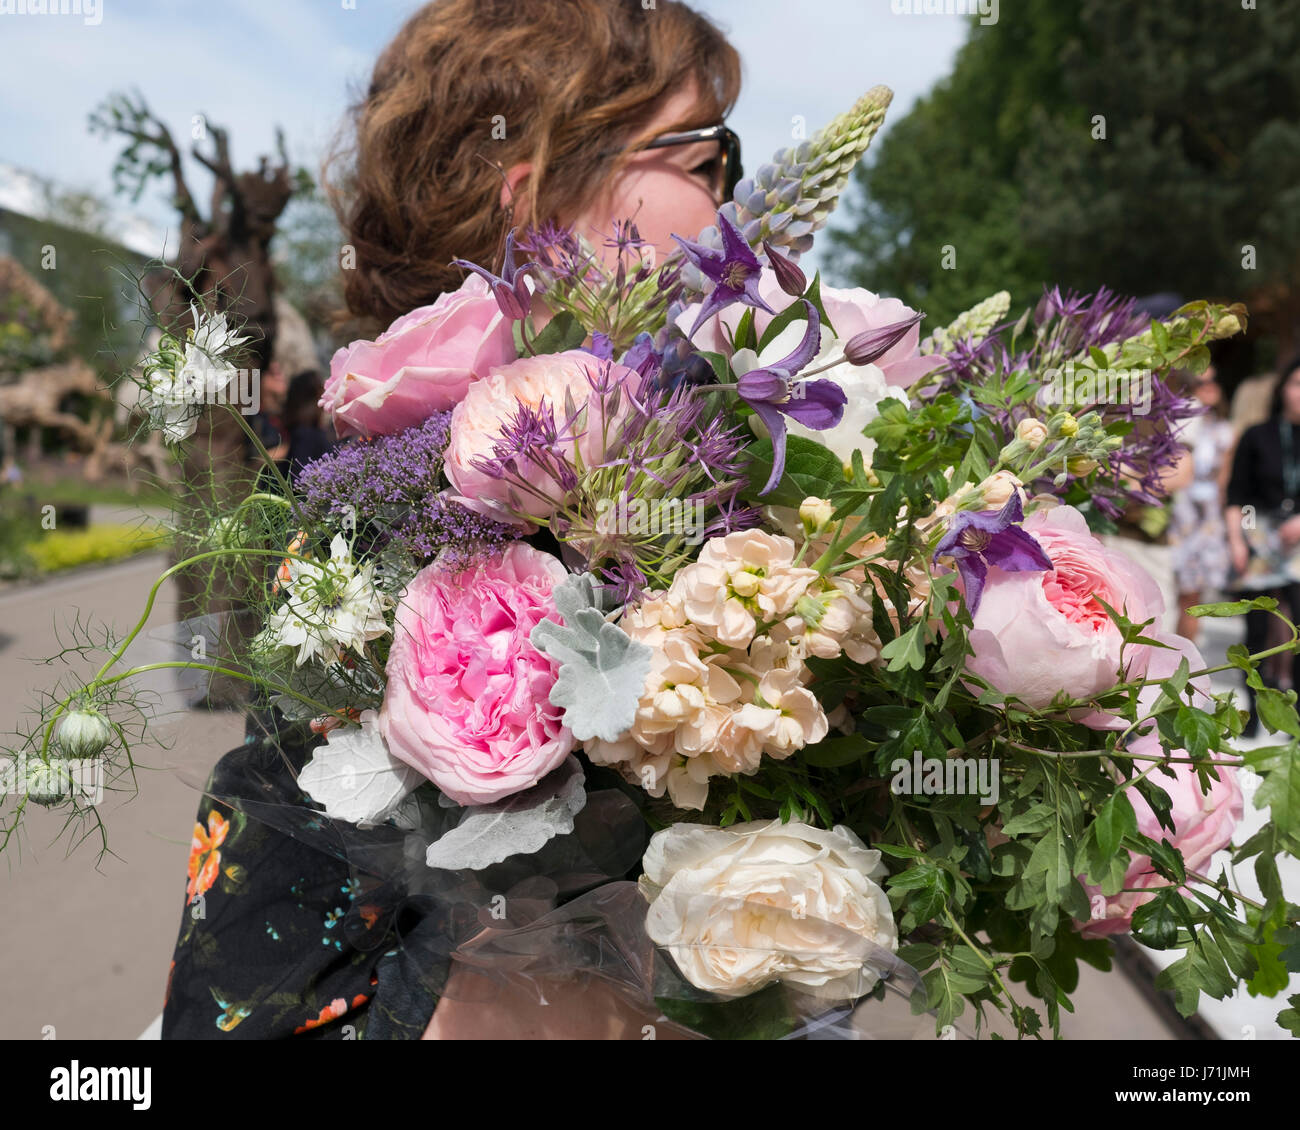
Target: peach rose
535,488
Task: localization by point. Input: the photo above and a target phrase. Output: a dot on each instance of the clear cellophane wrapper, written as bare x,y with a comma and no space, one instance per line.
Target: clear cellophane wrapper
549,944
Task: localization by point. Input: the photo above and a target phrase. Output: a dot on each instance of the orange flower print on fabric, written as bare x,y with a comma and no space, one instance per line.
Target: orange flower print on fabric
205,858
332,1011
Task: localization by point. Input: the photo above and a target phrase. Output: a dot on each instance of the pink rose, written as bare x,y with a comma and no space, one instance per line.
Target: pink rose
492,403
467,701
1038,634
1203,824
851,312
421,364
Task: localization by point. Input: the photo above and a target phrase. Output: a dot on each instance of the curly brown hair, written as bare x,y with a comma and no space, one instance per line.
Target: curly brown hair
569,83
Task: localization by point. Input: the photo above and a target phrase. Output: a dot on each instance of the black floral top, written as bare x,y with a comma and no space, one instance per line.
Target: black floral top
293,926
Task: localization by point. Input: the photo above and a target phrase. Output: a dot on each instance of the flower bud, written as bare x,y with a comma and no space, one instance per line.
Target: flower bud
789,277
1065,424
997,489
1228,325
815,514
744,584
870,345
810,610
1032,432
83,733
1080,465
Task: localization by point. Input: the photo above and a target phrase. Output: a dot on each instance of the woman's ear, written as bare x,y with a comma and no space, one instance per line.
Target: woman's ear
511,191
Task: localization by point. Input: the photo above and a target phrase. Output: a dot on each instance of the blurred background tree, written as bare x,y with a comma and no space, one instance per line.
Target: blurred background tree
1154,151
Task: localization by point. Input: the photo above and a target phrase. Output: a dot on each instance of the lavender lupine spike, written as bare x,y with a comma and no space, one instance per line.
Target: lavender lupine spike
788,201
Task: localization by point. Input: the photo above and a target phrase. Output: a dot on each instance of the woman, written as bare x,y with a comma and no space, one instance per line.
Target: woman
1263,520
480,114
1200,547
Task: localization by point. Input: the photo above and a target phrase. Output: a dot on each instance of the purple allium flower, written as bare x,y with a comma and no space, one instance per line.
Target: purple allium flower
391,488
734,270
1063,326
977,539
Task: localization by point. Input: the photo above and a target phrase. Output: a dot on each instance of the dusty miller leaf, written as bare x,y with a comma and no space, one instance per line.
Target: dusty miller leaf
602,669
519,825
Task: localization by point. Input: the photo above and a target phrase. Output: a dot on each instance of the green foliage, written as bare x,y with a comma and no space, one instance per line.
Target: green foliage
1200,158
66,549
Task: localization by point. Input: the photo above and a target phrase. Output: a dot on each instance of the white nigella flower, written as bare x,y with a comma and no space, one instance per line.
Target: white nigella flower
330,607
864,385
181,384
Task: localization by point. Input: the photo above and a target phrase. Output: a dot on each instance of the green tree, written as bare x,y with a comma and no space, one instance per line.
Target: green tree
1145,147
945,175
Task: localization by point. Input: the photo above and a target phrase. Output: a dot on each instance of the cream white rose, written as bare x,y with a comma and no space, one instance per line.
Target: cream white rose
741,907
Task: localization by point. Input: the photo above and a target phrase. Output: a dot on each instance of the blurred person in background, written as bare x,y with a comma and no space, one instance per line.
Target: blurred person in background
304,422
1262,521
268,421
1251,400
1196,532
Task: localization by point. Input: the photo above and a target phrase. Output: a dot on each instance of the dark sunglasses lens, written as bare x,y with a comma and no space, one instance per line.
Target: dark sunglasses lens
734,171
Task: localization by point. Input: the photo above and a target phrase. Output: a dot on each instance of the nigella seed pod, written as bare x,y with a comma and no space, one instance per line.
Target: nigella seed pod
867,347
788,275
83,733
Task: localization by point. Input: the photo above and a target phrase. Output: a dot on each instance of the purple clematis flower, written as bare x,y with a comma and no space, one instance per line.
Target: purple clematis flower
508,288
735,269
774,394
977,539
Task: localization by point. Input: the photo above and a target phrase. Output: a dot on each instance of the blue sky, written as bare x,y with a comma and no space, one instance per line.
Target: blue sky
252,64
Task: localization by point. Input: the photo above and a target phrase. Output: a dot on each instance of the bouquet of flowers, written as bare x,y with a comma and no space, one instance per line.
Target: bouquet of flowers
753,652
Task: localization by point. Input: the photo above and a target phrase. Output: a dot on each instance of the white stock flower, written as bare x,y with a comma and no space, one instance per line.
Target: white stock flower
330,607
354,776
741,907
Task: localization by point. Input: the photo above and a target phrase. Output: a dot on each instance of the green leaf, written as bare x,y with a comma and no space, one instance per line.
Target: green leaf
1277,711
834,752
907,650
1036,819
745,337
811,470
1115,820
1279,766
1198,730
1221,608
562,332
1289,1018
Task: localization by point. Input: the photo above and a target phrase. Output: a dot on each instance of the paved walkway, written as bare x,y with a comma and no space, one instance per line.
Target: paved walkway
86,950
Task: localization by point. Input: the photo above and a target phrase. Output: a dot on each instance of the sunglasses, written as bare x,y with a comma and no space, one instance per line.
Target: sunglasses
727,169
